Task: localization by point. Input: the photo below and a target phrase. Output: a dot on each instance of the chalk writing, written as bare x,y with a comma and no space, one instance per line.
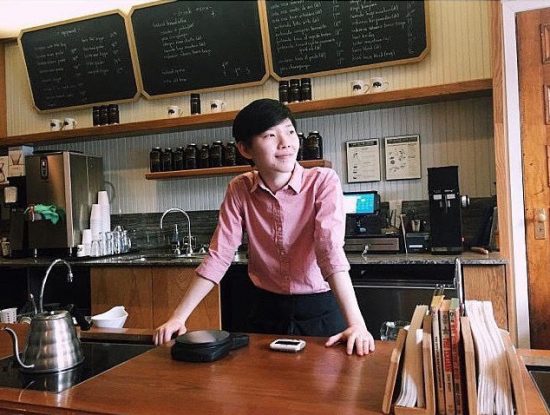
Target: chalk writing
188,45
79,63
316,36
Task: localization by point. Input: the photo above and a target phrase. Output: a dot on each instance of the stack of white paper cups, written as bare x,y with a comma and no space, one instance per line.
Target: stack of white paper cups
96,221
87,241
103,201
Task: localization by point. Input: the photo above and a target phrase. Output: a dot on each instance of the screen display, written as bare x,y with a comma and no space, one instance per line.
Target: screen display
360,203
288,342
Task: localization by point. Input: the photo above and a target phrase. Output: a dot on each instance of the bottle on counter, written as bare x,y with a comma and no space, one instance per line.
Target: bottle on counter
167,159
195,104
305,89
178,159
294,91
230,154
313,148
112,114
216,154
191,156
103,115
283,92
95,116
155,160
204,157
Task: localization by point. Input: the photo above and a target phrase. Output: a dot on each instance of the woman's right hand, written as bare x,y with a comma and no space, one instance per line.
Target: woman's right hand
165,332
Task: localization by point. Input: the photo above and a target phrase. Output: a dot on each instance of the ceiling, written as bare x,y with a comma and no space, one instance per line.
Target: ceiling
20,14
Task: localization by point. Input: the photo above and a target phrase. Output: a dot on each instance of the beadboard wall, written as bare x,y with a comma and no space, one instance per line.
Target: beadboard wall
458,132
451,133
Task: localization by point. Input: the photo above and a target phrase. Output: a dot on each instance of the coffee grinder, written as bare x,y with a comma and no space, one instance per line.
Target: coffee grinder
446,205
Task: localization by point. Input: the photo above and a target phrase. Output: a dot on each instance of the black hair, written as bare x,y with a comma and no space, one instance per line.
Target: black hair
257,117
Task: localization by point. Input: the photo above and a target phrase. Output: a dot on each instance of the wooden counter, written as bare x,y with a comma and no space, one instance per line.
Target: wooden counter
252,380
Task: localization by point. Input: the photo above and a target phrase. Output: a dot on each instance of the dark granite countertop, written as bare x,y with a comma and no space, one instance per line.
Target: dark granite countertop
150,259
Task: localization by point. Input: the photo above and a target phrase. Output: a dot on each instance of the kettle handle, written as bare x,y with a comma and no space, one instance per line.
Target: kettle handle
80,319
13,335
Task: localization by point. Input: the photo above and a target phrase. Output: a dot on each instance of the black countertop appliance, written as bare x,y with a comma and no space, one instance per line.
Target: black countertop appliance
446,204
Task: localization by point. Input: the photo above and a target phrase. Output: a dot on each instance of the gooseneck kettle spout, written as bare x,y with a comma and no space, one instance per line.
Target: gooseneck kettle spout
15,343
69,279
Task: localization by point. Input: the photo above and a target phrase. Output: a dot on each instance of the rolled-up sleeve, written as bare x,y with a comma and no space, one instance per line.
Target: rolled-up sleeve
330,224
227,236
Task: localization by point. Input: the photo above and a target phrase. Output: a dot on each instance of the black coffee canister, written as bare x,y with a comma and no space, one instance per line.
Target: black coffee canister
195,104
155,162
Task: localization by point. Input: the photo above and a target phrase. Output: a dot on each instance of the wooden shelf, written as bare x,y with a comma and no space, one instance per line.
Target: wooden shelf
411,96
222,171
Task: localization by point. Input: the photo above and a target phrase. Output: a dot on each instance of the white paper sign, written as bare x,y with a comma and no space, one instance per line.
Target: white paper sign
363,157
402,157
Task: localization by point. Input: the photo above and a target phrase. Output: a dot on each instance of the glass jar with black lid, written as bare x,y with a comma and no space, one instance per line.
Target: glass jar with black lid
178,159
313,148
167,159
204,157
216,154
230,154
155,160
191,156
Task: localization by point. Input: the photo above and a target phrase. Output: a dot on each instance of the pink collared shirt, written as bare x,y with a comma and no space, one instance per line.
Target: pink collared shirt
295,236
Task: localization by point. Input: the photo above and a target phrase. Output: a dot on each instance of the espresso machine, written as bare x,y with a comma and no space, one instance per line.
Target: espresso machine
446,205
68,182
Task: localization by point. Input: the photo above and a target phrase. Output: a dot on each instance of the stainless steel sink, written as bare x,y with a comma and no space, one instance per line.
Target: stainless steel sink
166,257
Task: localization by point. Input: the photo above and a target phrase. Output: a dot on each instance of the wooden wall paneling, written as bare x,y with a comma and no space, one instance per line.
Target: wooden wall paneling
3,101
169,286
127,286
488,283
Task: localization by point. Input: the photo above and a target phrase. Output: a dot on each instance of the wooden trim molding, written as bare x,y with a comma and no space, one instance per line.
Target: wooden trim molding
545,43
501,161
3,104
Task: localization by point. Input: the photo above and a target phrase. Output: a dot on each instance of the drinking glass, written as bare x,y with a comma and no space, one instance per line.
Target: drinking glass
390,329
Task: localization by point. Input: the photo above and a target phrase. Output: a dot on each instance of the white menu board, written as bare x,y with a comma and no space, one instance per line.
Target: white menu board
363,157
402,157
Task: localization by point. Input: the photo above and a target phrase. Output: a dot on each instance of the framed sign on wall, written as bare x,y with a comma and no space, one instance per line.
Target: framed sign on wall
402,157
363,160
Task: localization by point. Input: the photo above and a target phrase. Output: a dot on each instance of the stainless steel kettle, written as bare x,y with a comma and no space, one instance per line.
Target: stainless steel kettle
52,344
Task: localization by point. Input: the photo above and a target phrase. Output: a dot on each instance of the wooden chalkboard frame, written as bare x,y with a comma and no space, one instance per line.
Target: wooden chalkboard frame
75,20
420,57
263,35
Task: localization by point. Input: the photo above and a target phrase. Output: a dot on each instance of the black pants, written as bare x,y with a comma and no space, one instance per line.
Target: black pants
300,314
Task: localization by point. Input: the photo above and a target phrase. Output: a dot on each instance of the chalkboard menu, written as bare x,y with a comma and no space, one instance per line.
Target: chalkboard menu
313,37
196,45
79,62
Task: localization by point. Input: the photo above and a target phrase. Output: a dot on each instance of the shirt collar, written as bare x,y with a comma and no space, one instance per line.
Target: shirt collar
295,182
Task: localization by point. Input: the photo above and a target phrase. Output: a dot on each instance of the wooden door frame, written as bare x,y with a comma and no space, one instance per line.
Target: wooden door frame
508,133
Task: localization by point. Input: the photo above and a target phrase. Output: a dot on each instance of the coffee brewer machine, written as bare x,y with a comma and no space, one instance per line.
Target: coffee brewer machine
445,210
68,181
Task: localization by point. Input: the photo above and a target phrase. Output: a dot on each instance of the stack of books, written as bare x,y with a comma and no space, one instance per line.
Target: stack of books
448,363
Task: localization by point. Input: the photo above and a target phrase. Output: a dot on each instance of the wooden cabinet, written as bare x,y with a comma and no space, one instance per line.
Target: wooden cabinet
150,295
488,282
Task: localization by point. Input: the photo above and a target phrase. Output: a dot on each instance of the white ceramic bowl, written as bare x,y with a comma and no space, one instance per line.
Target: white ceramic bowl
113,319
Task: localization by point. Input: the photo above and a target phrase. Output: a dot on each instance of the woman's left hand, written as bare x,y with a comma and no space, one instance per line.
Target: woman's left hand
356,336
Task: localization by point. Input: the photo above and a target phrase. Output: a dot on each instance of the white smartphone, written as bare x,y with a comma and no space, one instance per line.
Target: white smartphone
287,345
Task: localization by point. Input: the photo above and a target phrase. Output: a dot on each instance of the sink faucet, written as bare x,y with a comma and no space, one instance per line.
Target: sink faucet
189,246
69,279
